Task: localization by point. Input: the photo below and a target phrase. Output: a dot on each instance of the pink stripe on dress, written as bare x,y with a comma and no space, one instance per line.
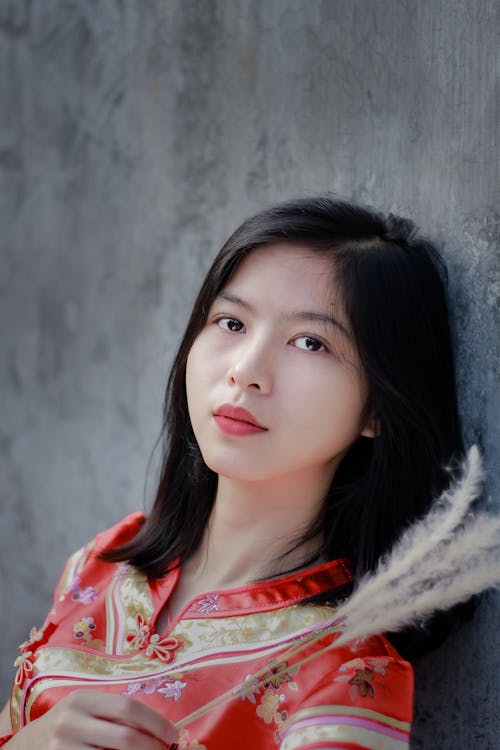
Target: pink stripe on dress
395,734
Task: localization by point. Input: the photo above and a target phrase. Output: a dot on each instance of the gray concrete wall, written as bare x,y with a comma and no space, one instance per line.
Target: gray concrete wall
134,136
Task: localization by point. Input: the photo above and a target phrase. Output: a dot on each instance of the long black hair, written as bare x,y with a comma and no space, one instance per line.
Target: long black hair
392,291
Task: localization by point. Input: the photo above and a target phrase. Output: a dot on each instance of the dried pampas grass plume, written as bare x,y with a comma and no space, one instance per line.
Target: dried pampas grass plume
442,559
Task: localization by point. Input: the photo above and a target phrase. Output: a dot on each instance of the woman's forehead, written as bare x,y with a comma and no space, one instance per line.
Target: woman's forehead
291,274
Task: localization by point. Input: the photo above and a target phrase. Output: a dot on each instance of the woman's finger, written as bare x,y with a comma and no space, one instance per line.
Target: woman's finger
134,714
111,735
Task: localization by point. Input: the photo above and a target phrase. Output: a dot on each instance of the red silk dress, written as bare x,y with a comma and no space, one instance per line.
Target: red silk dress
101,635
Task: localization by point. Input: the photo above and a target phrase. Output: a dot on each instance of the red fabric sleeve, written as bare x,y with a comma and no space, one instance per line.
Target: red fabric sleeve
365,701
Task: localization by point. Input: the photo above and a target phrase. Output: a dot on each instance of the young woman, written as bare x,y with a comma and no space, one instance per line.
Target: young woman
309,418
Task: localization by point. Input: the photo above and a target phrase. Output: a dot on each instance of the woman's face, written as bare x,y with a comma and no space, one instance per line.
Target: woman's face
276,344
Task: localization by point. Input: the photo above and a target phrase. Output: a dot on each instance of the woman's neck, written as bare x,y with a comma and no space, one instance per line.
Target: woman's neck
252,529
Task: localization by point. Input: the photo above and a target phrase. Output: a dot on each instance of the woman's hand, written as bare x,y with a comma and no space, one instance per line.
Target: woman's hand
89,718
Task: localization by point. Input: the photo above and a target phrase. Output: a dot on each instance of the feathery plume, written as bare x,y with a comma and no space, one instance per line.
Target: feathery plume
434,528
440,560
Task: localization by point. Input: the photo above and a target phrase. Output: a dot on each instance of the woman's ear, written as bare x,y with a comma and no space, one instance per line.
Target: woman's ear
371,428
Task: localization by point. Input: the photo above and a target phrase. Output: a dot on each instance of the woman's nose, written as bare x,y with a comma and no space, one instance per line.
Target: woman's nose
253,366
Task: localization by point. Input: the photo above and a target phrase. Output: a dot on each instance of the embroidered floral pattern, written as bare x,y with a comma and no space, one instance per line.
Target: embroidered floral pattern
186,744
271,710
279,674
84,629
173,689
269,703
362,675
168,688
209,603
85,596
143,638
148,687
250,689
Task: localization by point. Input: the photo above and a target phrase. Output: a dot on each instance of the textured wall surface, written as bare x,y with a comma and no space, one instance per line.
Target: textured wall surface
134,136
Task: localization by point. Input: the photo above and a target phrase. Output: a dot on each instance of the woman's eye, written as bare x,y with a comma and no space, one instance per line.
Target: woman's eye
230,324
310,344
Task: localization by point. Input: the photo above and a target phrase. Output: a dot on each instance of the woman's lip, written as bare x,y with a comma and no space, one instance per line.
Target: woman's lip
236,426
238,414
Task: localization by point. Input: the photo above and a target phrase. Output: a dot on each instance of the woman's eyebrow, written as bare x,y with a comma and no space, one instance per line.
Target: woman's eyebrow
237,300
296,315
321,317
